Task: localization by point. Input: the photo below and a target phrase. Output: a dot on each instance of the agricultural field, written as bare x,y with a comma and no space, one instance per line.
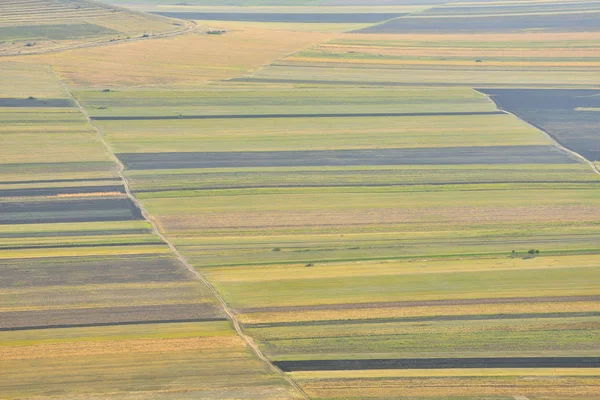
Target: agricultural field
37,26
86,284
351,205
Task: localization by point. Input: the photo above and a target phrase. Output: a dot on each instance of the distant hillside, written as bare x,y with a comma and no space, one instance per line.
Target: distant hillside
31,26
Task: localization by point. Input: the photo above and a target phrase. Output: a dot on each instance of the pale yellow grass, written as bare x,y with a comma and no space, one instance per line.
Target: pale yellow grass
21,81
453,386
94,194
521,51
424,311
119,347
83,251
375,268
283,26
412,62
188,59
525,37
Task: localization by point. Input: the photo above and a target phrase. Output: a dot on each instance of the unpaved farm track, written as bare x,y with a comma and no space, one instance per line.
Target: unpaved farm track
189,26
120,171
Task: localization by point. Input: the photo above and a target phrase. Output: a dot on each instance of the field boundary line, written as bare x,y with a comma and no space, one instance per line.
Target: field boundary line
555,142
155,229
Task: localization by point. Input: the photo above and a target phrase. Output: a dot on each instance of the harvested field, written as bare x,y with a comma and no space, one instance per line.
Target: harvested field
565,383
322,18
426,156
176,60
441,363
560,113
272,116
105,316
583,22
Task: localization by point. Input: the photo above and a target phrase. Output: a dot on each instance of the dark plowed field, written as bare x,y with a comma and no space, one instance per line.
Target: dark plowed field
440,363
263,116
60,190
59,181
555,112
513,8
90,270
118,209
284,17
423,303
581,22
11,102
39,319
416,156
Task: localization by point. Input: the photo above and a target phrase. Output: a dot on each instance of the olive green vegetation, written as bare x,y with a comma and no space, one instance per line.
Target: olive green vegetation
327,238
318,262
97,271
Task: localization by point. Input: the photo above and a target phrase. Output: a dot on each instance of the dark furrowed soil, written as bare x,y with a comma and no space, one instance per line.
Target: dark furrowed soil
480,317
577,22
60,190
13,102
555,111
127,315
440,363
269,116
75,233
423,303
80,271
512,8
284,17
69,210
59,181
403,156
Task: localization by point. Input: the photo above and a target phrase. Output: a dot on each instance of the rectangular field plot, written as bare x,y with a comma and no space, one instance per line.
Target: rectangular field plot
470,75
246,99
496,385
582,22
92,270
158,361
323,158
566,115
174,180
68,210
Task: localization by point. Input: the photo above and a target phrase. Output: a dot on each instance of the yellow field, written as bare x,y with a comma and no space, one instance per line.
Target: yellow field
190,59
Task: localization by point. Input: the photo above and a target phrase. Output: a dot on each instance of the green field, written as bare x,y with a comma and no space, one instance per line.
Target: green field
182,216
